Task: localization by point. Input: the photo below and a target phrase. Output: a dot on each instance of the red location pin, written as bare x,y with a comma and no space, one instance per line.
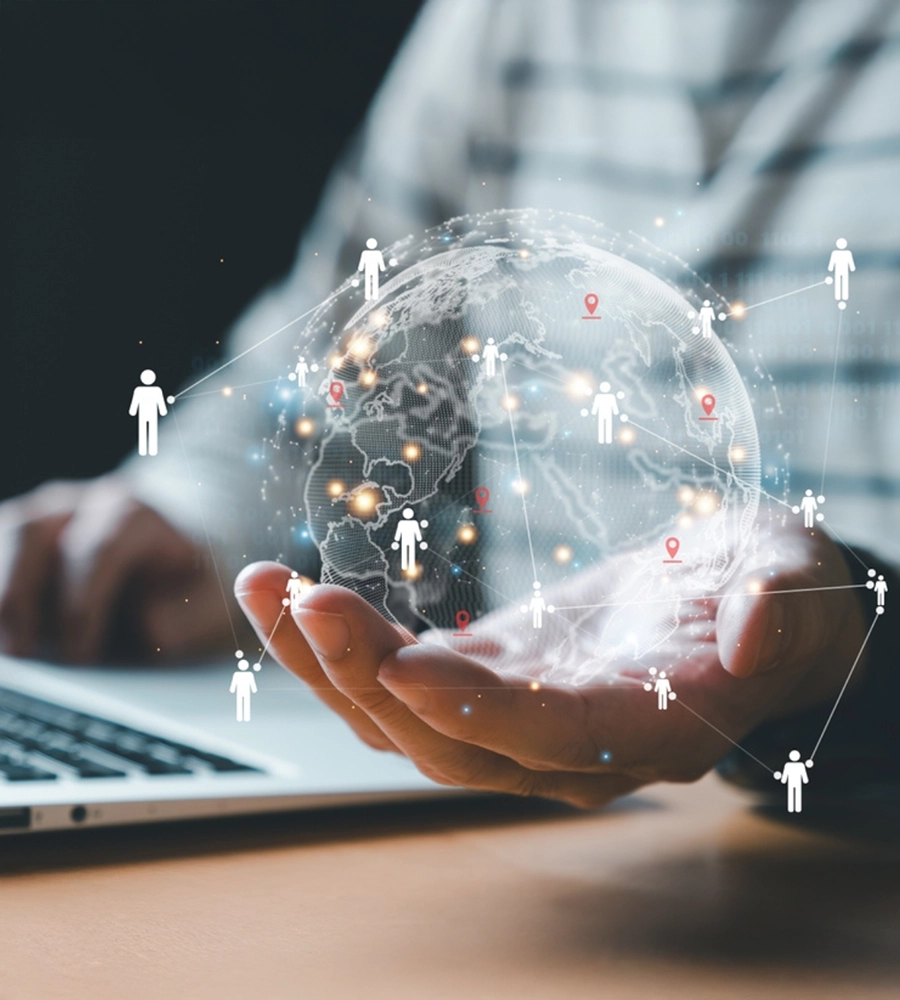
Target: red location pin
672,547
709,404
482,495
591,301
336,391
462,622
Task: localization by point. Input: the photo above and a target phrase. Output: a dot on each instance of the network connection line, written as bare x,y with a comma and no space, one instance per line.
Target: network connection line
776,298
837,702
734,743
712,465
253,347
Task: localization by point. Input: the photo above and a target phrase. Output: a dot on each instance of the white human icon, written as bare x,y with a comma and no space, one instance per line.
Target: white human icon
243,684
296,588
408,533
301,371
809,505
371,261
842,263
605,408
706,315
794,775
148,404
490,355
537,606
663,688
881,588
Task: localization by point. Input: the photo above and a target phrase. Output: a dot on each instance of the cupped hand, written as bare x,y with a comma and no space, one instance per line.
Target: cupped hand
85,563
469,712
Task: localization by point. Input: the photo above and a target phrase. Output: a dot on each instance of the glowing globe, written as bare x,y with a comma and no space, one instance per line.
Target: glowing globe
525,403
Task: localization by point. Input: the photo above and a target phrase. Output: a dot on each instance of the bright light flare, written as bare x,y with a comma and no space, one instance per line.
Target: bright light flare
411,452
627,435
227,391
737,453
563,554
466,533
579,385
361,347
305,427
367,378
510,403
707,502
335,488
520,487
470,344
738,310
422,388
364,502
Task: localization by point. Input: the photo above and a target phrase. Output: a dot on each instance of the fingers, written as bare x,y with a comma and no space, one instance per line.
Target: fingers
351,641
785,614
543,728
110,541
29,564
260,589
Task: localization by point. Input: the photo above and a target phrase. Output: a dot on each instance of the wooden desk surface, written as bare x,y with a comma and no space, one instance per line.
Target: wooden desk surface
681,892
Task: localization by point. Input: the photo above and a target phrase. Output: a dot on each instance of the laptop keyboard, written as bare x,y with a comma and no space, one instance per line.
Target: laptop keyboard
42,741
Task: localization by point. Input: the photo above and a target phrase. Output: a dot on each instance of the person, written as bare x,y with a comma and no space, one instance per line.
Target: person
706,315
490,354
148,404
405,537
809,505
243,684
794,774
296,586
537,606
301,370
371,262
604,408
841,263
663,688
761,153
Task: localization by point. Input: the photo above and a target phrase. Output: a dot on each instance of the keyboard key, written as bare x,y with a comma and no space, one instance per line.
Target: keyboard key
15,770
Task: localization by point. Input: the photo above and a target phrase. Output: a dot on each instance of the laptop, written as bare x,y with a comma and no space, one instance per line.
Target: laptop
87,747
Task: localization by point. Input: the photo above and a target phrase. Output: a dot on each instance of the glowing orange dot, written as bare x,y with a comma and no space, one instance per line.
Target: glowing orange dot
467,533
411,452
470,344
364,502
738,310
335,488
367,377
563,553
421,388
304,427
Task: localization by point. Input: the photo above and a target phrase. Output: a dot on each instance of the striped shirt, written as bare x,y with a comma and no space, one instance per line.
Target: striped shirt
745,136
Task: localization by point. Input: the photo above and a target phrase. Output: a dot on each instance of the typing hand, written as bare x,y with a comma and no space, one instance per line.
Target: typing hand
80,560
502,724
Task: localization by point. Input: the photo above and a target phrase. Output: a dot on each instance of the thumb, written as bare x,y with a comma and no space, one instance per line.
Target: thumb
762,626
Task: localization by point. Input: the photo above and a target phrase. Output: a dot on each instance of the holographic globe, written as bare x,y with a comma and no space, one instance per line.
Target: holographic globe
524,404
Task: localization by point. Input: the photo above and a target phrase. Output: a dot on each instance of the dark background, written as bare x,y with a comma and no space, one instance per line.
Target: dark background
158,161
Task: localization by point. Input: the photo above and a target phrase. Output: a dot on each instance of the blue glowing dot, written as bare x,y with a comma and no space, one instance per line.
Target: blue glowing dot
455,570
446,237
466,710
606,756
